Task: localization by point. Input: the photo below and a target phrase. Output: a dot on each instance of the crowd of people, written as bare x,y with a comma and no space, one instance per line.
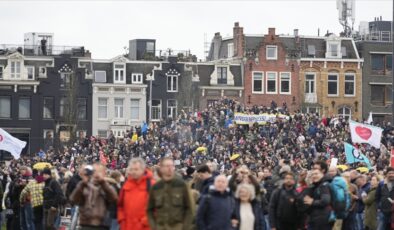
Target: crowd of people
203,171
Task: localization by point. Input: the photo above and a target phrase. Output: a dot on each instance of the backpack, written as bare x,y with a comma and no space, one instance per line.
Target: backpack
340,197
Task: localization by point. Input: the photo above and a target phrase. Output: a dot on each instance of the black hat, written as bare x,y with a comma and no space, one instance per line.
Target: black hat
46,171
190,171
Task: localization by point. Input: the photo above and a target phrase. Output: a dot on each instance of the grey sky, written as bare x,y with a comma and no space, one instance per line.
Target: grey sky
105,27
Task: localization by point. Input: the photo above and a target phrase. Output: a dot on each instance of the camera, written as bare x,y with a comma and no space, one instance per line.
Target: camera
89,170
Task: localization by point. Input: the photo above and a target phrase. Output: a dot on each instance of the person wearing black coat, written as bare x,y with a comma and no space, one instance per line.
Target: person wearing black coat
247,208
283,213
387,197
319,201
215,208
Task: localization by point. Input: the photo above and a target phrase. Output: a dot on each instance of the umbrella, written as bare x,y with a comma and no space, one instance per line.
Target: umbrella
363,169
234,156
201,149
342,167
42,165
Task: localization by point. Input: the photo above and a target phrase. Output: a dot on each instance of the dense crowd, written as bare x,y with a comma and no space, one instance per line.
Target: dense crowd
203,171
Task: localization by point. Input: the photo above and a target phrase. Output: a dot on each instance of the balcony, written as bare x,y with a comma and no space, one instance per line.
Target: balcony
310,98
31,50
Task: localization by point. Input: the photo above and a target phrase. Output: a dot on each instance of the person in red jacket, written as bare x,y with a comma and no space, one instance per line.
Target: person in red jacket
133,197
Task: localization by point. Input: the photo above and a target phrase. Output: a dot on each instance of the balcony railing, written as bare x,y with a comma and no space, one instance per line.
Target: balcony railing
38,50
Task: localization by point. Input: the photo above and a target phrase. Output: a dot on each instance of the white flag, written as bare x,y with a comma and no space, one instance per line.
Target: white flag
11,144
362,133
369,120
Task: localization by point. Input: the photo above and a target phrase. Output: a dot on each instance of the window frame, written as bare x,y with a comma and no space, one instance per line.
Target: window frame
100,71
85,108
342,109
276,82
337,83
276,52
170,108
44,106
13,75
133,107
280,83
307,80
220,79
230,50
10,107
106,108
262,83
137,75
33,72
65,80
119,70
172,83
160,110
19,108
347,81
118,109
2,72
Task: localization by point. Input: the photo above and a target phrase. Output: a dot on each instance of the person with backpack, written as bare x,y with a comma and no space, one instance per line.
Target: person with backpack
283,213
215,208
53,199
133,197
340,197
93,195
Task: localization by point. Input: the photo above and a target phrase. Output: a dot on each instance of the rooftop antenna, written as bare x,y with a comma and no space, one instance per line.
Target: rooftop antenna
206,46
347,15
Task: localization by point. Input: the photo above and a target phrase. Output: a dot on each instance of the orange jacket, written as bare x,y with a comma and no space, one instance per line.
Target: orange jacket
132,203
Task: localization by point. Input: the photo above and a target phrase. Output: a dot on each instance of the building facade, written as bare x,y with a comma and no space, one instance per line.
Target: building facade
331,76
45,99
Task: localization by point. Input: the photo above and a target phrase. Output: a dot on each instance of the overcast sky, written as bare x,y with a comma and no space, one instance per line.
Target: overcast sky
105,27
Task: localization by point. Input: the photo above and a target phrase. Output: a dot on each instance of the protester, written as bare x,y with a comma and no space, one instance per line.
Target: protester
204,173
93,195
170,203
387,199
133,198
369,201
363,189
53,199
215,208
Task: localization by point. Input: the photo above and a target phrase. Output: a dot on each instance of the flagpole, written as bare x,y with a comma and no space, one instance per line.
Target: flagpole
392,63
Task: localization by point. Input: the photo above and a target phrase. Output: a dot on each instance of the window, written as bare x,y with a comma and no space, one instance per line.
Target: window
30,72
82,108
150,47
135,109
381,95
24,108
381,64
271,52
102,108
271,83
5,105
172,83
63,106
310,83
118,107
100,76
156,109
258,83
119,73
65,79
171,108
333,50
332,84
222,75
350,84
102,133
230,50
136,78
285,83
48,108
1,72
15,69
345,112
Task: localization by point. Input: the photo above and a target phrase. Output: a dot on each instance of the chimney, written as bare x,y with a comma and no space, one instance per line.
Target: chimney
380,18
295,32
238,40
271,31
216,41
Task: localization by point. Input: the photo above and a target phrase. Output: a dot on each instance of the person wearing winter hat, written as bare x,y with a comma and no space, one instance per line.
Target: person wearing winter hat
53,198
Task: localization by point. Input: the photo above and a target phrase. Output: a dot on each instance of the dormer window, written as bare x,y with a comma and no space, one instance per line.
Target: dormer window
119,73
15,69
333,47
136,78
222,75
271,52
30,72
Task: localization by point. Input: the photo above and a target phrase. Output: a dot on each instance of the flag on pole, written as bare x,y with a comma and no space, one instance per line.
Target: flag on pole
362,133
353,155
369,120
11,144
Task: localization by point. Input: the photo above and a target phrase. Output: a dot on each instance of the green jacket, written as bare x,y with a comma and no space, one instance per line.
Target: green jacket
170,205
370,209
